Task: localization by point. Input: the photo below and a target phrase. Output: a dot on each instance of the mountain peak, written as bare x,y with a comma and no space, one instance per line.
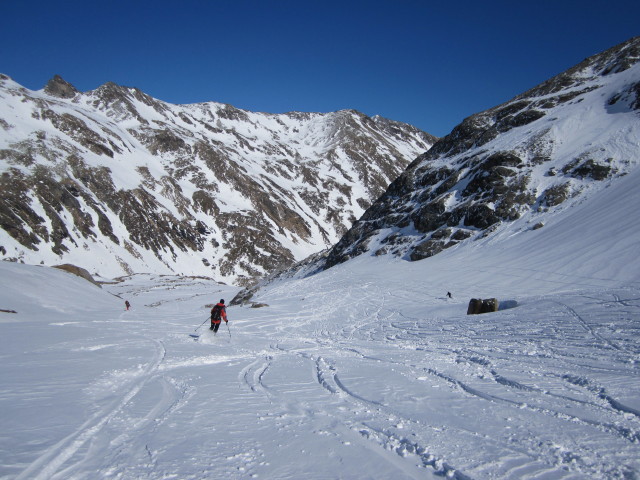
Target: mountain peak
59,87
523,160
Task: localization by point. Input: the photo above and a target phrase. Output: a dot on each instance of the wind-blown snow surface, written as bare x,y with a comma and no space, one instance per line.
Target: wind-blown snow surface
366,370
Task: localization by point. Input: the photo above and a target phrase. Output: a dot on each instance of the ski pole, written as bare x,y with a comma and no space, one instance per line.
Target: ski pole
197,328
229,330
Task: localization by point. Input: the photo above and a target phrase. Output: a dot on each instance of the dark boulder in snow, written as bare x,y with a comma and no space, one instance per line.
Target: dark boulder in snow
477,305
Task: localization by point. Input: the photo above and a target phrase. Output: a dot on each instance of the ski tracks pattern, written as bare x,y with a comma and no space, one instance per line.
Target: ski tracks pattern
76,456
532,456
328,378
485,367
252,375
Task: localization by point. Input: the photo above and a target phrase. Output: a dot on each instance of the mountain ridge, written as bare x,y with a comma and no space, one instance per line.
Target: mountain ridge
203,188
539,152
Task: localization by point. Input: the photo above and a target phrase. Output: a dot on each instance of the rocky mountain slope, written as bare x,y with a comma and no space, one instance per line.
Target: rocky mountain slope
522,161
203,189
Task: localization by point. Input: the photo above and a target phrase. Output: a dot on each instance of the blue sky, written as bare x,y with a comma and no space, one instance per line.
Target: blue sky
428,63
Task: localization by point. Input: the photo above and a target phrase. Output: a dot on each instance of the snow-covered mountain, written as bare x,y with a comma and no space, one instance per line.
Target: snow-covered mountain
366,369
513,167
118,182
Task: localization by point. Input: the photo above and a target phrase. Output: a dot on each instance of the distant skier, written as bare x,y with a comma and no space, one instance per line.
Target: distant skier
449,295
127,304
218,313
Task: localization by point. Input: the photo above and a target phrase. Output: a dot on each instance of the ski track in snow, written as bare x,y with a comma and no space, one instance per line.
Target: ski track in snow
252,375
538,459
48,464
357,370
630,435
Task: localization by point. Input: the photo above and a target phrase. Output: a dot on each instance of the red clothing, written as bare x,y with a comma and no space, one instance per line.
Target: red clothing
223,313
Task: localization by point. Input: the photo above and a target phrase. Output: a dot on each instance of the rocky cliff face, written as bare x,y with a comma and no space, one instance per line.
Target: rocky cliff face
119,182
540,152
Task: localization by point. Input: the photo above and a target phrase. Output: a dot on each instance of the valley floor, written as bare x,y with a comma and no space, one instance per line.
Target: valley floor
360,372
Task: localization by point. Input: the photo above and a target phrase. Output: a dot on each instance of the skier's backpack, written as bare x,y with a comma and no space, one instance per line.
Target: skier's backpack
216,313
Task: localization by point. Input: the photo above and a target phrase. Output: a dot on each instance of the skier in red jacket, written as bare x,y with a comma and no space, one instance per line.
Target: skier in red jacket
218,313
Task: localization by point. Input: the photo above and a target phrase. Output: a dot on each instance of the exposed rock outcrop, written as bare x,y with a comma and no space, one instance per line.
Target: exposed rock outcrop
507,162
204,189
58,87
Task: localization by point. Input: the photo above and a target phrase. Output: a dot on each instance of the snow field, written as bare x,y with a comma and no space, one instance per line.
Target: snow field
367,370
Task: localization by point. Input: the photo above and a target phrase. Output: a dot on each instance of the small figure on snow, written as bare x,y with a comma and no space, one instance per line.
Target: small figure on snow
449,295
127,305
218,313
